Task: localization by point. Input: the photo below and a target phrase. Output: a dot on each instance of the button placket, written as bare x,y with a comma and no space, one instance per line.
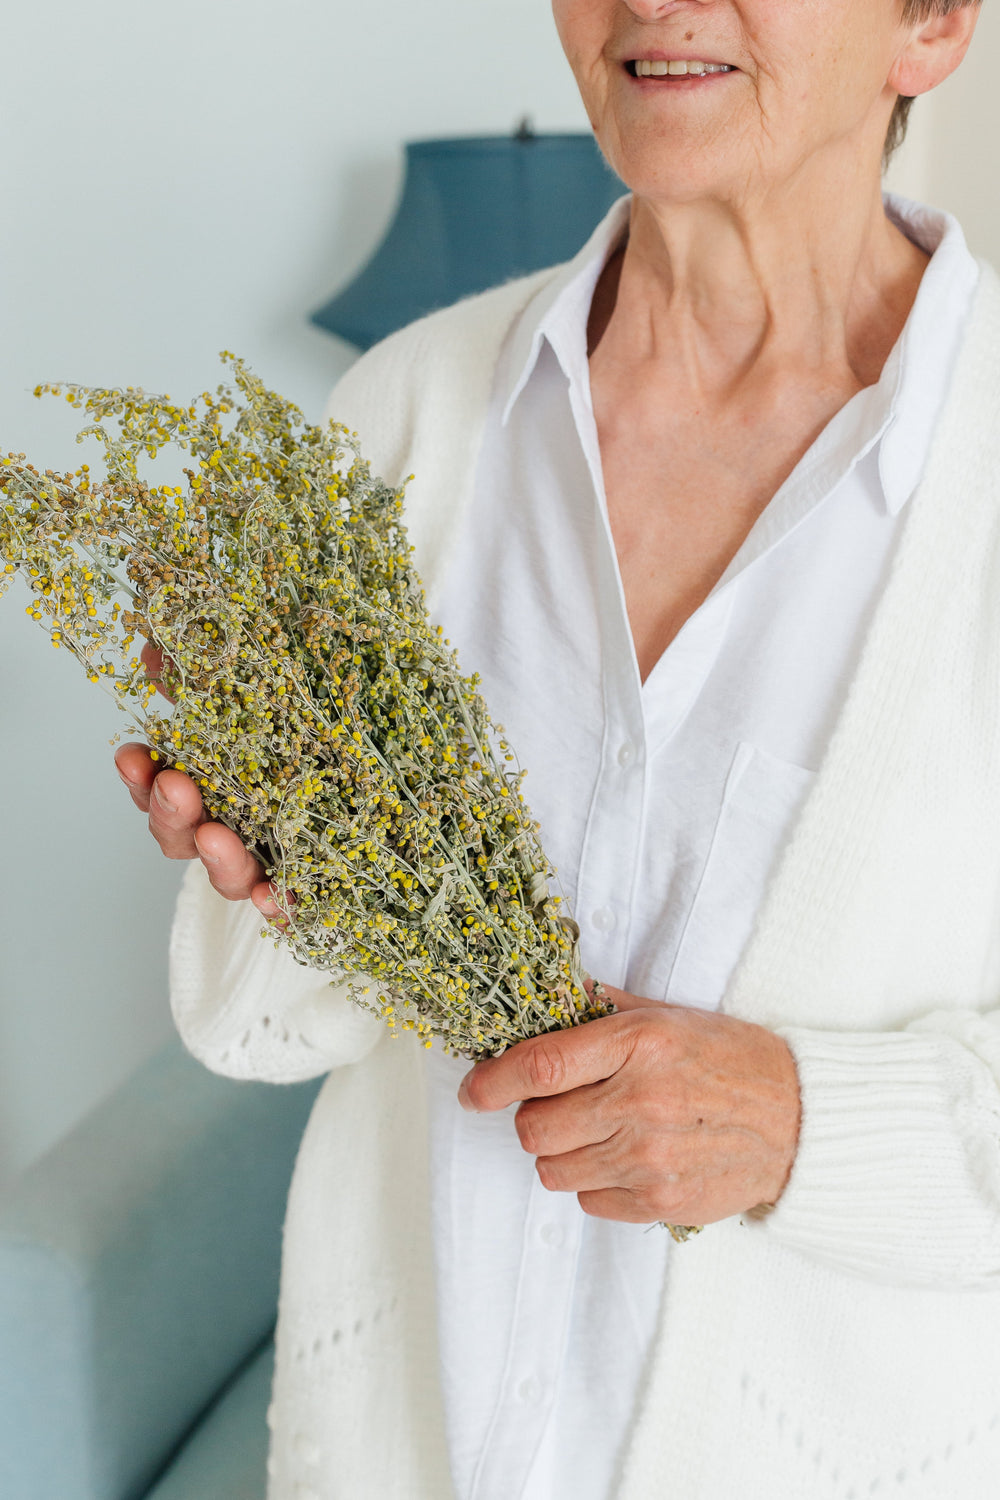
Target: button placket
604,885
538,1335
675,684
553,1235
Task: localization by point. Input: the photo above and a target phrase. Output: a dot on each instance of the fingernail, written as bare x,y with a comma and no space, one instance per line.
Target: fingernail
161,798
213,859
463,1093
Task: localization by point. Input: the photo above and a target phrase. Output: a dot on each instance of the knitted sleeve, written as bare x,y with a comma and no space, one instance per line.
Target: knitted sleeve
877,957
897,1175
242,1004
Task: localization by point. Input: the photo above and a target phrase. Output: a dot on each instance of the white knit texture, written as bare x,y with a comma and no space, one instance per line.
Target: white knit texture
849,1345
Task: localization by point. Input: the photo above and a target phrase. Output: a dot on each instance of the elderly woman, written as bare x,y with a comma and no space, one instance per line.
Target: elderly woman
714,510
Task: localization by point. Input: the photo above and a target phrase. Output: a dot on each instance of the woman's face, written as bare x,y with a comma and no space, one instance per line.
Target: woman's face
806,76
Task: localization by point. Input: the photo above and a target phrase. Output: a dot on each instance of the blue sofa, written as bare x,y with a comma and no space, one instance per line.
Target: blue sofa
138,1292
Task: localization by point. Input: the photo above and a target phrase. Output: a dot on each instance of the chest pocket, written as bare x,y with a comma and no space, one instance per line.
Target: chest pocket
762,799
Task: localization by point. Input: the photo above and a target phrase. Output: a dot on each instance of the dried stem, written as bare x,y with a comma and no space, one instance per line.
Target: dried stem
322,716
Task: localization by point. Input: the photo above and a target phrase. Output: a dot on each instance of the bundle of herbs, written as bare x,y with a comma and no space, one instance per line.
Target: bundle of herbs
322,716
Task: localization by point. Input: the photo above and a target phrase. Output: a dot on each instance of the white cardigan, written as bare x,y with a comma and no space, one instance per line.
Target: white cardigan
849,1345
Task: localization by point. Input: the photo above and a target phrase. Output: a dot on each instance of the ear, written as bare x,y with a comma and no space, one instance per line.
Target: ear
933,50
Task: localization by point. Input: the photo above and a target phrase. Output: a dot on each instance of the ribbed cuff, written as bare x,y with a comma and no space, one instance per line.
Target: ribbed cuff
897,1175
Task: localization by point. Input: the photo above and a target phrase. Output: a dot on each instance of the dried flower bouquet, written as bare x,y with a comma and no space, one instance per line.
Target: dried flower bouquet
322,716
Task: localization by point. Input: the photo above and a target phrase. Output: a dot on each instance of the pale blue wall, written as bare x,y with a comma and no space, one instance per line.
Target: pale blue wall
176,180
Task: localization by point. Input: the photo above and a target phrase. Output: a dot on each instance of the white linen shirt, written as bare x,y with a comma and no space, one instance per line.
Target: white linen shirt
663,806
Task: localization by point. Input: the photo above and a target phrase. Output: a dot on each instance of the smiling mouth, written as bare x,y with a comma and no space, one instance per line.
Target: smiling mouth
644,67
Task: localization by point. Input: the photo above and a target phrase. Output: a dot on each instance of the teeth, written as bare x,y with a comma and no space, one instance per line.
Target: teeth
645,68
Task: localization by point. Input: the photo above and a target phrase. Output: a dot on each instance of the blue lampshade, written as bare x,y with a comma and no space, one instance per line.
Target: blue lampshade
474,212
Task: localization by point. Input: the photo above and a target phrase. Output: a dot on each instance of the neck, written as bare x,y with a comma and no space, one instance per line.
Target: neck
814,282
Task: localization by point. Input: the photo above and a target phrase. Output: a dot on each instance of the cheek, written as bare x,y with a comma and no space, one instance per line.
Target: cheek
807,98
829,59
574,24
584,28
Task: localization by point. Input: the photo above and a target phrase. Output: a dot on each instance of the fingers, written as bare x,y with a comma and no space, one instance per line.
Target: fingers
620,1204
547,1065
232,869
137,770
548,1127
171,799
175,811
177,822
588,1169
619,1179
262,897
610,1183
153,660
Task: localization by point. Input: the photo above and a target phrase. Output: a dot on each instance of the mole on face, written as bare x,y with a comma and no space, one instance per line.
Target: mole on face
689,37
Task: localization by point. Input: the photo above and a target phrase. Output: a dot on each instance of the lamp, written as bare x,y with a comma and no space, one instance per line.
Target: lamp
474,212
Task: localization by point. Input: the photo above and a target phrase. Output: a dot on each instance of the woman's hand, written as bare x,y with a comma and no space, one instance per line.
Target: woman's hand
177,819
658,1113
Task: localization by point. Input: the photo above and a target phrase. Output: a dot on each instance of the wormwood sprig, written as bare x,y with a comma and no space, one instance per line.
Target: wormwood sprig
322,716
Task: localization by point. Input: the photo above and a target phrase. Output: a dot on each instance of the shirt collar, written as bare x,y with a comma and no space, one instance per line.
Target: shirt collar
560,311
898,413
927,348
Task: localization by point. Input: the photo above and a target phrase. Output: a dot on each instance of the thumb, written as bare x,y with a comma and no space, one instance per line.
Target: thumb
620,999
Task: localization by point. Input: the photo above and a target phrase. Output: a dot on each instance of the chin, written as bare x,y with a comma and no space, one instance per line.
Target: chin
668,174
679,161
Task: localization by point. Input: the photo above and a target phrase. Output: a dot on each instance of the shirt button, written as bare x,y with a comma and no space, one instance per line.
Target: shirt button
529,1390
626,754
307,1450
553,1234
604,919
